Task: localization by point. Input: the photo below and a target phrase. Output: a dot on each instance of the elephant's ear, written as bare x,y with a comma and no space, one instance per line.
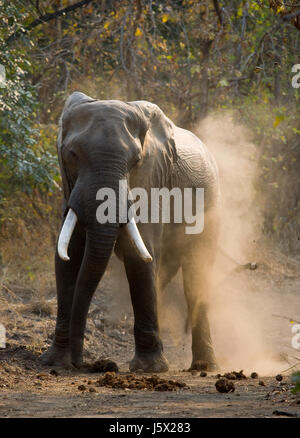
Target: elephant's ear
160,129
66,188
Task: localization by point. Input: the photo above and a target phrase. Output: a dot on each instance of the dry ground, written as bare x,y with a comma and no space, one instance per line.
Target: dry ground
29,390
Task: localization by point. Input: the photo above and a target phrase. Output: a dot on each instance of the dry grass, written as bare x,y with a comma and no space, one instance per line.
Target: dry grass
28,265
39,307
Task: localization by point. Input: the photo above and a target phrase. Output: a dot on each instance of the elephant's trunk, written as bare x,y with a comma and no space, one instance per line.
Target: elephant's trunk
100,240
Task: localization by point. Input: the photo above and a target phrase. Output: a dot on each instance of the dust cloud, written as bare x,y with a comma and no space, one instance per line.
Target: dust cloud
241,304
241,308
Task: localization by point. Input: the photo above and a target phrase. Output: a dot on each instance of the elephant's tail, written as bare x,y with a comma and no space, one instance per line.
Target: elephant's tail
250,265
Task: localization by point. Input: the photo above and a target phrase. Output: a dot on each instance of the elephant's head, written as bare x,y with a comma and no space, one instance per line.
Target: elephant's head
99,143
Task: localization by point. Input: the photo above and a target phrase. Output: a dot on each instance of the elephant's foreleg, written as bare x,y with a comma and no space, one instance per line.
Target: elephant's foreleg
148,346
196,287
66,276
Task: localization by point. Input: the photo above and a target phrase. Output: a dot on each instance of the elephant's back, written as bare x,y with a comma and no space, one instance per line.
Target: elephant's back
195,161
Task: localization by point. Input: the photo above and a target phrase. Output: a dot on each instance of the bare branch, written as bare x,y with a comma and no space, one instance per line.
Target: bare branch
218,11
288,17
45,18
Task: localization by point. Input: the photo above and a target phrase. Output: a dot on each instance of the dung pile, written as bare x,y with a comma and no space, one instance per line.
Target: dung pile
234,375
224,385
131,381
102,366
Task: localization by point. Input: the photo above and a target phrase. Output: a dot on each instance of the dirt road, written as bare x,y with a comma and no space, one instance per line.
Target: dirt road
60,397
29,390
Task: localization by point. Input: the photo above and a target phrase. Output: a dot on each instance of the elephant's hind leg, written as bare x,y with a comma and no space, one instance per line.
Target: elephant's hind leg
196,287
167,271
66,275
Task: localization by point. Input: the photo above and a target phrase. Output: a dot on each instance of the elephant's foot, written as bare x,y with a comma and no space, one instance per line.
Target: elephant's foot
203,365
76,351
57,356
77,361
149,363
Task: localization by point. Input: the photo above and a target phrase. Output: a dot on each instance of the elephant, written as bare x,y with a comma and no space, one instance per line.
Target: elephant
101,142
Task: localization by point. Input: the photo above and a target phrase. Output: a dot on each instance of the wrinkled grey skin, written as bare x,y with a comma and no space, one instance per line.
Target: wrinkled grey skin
99,143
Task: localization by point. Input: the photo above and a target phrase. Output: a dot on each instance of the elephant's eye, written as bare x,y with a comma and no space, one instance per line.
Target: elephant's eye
73,154
137,160
139,157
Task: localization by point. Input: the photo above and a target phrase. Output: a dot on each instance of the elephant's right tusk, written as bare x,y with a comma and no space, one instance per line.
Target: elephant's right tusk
66,234
137,241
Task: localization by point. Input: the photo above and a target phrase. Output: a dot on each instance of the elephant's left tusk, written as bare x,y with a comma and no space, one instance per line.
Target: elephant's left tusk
137,241
66,234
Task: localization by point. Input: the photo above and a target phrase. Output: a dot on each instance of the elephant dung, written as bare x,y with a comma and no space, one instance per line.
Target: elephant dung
131,381
224,385
103,366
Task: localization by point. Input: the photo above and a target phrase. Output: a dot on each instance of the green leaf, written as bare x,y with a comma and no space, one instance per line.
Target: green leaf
278,119
223,83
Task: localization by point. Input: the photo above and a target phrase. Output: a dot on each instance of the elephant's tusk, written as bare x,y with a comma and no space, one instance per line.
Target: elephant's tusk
66,234
68,228
137,241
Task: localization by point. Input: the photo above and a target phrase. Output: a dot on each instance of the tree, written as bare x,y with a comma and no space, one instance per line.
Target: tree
23,160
